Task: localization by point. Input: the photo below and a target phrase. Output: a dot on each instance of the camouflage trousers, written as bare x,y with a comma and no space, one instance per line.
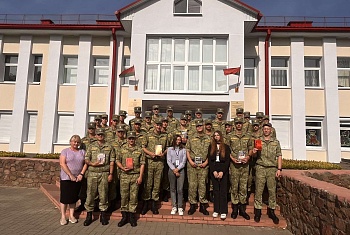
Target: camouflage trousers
252,163
97,183
153,179
239,179
197,180
129,190
265,175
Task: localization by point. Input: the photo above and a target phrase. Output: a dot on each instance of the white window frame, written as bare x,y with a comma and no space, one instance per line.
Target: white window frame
126,64
5,130
31,127
188,8
280,69
9,64
346,69
344,126
306,69
246,68
287,120
59,140
36,67
315,120
67,67
101,67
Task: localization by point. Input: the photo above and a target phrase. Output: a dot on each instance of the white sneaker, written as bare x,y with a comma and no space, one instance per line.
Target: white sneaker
173,211
181,211
223,216
215,214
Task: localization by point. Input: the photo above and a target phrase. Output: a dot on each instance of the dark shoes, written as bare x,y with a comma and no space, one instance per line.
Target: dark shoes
103,218
154,208
132,219
242,211
192,209
88,219
124,219
203,209
234,213
144,208
271,214
257,215
81,207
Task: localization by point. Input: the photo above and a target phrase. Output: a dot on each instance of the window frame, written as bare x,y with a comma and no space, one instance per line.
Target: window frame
96,67
281,69
254,68
28,127
68,66
187,8
7,141
125,80
9,64
344,126
36,66
283,118
343,69
313,69
57,141
307,127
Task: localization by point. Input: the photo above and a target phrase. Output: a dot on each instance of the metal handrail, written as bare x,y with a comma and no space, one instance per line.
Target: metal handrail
316,21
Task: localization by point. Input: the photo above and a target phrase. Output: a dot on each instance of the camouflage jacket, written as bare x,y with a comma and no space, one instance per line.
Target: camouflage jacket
219,126
137,155
152,140
243,142
197,145
118,144
95,151
271,150
86,141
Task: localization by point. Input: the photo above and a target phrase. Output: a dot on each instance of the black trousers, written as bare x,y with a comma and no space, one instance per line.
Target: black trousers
220,194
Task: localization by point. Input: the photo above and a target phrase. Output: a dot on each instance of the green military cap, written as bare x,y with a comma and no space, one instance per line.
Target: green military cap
259,114
115,117
148,114
199,122
120,128
91,125
198,110
256,122
239,111
131,134
228,123
238,120
158,121
104,115
164,119
98,117
169,108
138,121
183,117
208,122
156,106
219,110
188,112
100,131
267,124
122,113
137,109
246,114
266,117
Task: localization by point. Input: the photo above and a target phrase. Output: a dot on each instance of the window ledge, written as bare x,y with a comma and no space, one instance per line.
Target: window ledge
345,149
7,82
318,149
34,83
99,85
252,86
185,93
187,14
313,88
280,87
28,142
343,88
61,144
68,84
125,85
4,142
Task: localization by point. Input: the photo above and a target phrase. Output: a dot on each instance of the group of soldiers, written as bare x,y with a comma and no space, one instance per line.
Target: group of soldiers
123,158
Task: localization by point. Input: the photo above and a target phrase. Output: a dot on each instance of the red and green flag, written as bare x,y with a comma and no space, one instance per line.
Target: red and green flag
128,72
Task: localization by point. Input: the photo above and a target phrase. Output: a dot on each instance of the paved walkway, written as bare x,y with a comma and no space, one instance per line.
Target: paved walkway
28,211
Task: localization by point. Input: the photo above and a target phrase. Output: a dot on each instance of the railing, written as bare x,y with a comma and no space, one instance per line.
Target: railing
56,18
316,21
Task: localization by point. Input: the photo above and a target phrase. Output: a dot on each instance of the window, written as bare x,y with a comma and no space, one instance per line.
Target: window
5,126
31,127
101,70
64,128
282,127
38,63
312,72
279,72
345,133
249,72
188,6
70,70
11,64
126,65
343,65
314,133
186,65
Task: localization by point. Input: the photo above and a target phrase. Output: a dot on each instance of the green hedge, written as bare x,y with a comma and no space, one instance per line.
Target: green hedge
11,154
308,165
30,155
47,155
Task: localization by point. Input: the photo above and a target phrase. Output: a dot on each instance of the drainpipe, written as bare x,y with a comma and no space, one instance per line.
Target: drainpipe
267,73
114,62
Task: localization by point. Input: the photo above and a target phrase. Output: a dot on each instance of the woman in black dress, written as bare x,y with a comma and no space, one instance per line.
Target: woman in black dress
219,163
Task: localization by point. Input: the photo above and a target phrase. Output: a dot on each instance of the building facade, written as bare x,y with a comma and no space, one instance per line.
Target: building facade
55,77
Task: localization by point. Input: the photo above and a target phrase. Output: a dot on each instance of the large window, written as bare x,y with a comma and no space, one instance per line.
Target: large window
64,128
345,133
249,72
101,70
343,72
126,65
11,64
31,127
186,65
188,6
279,72
312,72
70,70
282,127
38,63
5,126
314,133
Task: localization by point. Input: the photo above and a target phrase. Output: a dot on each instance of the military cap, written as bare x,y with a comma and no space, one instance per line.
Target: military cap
122,113
98,117
267,124
131,134
120,128
138,121
137,109
198,110
169,108
115,117
228,123
246,114
158,121
188,112
104,115
266,117
199,122
259,114
91,125
100,131
256,122
164,119
183,117
239,111
156,106
238,120
148,114
219,110
208,121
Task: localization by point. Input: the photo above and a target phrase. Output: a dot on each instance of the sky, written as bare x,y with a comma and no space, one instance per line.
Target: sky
315,8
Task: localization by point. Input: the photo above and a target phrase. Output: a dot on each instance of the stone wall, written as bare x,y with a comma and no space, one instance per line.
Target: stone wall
28,172
314,207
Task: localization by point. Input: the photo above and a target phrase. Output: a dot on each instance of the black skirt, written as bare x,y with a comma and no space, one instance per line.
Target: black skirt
69,191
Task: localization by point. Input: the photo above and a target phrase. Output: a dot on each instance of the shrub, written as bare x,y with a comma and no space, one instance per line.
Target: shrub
308,165
11,154
47,155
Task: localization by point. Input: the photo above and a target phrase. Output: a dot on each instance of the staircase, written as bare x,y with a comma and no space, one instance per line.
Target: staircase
53,193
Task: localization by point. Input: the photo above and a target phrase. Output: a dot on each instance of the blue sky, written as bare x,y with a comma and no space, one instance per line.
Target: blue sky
321,8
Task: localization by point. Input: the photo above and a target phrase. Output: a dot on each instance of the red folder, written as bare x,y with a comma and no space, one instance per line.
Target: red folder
258,144
129,163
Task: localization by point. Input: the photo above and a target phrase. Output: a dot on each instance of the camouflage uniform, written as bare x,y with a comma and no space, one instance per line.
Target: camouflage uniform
247,125
173,123
252,162
132,121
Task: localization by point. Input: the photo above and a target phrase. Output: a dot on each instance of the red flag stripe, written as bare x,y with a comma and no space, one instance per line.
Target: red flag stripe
128,72
235,71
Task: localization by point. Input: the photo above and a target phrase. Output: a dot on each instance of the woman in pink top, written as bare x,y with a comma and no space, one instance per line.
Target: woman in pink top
73,168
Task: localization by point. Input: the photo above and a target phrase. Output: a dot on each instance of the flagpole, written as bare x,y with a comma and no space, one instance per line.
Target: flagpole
237,87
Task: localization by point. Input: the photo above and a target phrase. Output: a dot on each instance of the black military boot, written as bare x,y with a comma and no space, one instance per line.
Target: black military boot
242,208
124,219
154,208
234,211
81,207
144,207
132,219
203,210
88,219
103,218
271,214
192,209
257,215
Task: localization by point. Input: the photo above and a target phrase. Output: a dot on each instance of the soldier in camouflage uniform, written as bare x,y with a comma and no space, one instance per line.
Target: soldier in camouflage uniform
241,146
228,130
259,116
192,124
255,134
247,126
147,125
268,168
156,115
209,131
165,179
100,158
239,113
122,114
266,120
130,178
197,170
104,121
111,130
173,123
140,133
97,120
188,114
137,111
183,127
219,122
154,147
